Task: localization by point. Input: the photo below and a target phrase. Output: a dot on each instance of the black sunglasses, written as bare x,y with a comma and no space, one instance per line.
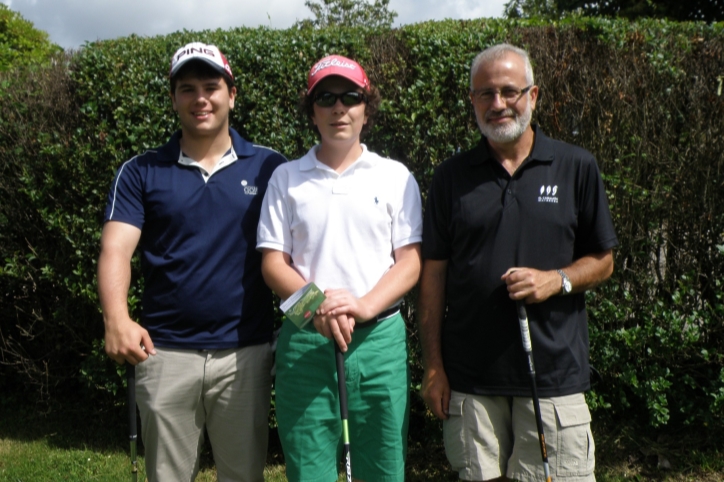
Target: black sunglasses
328,99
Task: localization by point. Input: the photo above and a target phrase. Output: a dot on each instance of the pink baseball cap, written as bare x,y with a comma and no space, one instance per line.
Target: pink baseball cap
339,66
198,51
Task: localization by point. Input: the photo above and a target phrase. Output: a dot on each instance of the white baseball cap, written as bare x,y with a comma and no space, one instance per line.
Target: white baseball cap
199,51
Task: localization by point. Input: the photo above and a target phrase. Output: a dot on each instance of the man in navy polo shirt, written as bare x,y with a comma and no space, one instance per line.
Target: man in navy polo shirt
519,217
202,350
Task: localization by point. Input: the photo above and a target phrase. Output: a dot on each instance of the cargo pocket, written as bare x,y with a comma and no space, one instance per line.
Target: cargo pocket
575,448
453,432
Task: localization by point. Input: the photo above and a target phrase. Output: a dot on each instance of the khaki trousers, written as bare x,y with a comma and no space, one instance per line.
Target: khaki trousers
181,392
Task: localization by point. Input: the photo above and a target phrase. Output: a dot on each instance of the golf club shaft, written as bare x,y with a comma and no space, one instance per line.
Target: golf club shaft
133,430
528,347
342,386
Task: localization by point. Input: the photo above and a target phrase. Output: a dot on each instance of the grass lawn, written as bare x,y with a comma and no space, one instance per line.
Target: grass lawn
66,443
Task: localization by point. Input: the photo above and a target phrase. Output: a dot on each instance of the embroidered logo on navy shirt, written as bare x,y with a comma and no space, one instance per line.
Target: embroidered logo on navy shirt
249,190
548,194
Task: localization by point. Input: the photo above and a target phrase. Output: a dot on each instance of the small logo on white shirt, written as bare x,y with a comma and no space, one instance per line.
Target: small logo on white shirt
548,194
249,190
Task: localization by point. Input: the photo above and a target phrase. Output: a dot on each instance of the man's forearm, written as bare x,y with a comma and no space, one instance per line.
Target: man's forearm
536,286
397,281
431,311
589,271
279,274
114,280
118,242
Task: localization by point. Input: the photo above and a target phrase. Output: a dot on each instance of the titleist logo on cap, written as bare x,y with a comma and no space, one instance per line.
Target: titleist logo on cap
324,64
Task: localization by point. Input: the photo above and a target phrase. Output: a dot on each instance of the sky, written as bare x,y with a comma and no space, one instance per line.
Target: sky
71,23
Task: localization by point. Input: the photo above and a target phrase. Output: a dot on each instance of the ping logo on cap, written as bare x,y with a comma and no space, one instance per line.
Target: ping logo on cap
199,51
194,50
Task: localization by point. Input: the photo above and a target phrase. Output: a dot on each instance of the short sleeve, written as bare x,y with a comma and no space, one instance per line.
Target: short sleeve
407,219
595,232
274,230
125,199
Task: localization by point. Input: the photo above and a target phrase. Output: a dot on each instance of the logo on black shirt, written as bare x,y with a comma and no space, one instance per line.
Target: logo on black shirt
548,194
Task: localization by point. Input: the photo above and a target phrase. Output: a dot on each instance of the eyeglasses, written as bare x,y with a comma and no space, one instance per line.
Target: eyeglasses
510,95
328,99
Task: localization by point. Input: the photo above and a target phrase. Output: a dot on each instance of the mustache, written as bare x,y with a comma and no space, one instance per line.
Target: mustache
500,113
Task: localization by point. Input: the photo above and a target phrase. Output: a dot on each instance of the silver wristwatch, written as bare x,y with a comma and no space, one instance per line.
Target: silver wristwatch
566,286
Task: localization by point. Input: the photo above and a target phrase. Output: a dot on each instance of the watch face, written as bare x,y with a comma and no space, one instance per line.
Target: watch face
566,286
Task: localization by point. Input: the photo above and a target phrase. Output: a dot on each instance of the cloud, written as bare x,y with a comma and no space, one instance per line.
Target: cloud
412,11
70,23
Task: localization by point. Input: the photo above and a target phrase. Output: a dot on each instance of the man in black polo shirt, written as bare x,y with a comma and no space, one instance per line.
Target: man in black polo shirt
519,217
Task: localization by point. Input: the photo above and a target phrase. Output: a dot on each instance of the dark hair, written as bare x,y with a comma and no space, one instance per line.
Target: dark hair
306,107
198,69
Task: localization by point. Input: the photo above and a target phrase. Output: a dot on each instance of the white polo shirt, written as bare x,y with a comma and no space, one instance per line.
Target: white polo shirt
341,229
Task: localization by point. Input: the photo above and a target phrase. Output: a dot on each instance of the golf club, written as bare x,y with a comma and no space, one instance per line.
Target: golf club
528,347
342,386
133,431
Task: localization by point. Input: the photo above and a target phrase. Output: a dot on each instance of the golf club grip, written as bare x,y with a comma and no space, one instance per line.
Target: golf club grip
524,327
341,382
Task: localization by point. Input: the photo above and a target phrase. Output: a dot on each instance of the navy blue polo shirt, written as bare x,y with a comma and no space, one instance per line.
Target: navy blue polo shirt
483,221
203,287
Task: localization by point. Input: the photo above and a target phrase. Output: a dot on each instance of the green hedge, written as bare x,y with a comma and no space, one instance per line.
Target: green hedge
644,97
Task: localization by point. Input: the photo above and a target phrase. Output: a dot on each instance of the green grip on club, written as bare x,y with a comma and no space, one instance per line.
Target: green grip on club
345,431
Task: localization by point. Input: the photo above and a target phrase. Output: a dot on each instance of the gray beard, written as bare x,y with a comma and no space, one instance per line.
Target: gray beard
509,132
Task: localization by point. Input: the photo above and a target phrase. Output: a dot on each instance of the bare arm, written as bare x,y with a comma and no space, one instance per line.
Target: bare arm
125,339
430,313
435,388
399,279
276,268
535,286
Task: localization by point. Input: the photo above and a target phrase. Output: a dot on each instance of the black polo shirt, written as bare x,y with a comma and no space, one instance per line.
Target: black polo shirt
483,221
